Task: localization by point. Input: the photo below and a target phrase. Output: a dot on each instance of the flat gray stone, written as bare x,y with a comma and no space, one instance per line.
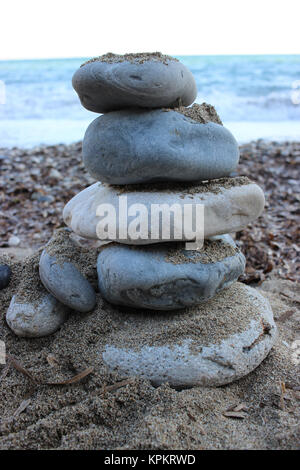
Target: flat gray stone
212,344
104,87
64,281
227,209
145,277
138,146
37,318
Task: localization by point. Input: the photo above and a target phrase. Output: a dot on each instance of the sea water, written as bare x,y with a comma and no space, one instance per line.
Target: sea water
255,96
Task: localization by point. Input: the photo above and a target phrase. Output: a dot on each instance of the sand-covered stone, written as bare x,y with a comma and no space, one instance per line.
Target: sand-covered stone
146,80
209,345
61,276
40,317
193,418
230,204
138,146
165,276
33,312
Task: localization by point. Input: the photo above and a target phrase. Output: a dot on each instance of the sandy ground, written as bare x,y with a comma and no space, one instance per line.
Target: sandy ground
109,411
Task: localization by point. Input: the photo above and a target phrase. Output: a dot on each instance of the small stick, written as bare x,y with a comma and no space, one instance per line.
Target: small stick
21,369
112,388
74,379
28,374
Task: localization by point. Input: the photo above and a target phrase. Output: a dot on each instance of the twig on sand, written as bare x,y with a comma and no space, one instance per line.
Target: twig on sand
116,386
283,391
21,369
74,379
30,376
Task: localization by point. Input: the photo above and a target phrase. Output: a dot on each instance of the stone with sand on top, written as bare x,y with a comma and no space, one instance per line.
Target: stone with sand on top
230,204
165,276
33,312
140,146
212,344
147,80
41,317
61,276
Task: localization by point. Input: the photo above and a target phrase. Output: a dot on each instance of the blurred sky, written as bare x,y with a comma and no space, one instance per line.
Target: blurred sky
71,28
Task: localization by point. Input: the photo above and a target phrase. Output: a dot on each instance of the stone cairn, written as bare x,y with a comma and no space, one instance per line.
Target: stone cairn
187,321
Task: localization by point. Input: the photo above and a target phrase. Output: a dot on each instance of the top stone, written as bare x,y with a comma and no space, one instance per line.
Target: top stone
146,80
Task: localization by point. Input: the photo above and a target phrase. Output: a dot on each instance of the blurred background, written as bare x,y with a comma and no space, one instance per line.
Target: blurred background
256,96
244,56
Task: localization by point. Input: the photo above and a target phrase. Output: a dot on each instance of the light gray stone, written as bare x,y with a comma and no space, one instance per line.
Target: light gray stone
14,241
138,146
229,210
64,281
191,349
33,319
142,277
104,87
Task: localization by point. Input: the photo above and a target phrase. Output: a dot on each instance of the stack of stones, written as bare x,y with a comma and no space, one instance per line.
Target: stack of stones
190,322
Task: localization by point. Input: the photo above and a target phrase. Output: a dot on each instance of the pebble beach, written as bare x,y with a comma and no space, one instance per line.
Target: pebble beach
36,183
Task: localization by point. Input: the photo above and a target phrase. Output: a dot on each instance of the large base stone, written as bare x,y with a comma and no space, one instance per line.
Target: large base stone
209,345
165,276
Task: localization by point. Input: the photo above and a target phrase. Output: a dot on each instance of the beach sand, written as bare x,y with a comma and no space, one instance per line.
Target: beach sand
107,410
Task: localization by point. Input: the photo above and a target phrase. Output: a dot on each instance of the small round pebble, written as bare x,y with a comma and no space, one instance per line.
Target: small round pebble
14,241
33,319
5,275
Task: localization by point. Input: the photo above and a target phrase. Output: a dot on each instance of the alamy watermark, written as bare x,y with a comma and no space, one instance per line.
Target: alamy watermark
159,222
295,94
2,92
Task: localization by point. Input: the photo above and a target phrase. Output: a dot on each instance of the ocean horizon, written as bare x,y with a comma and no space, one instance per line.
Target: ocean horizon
256,96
